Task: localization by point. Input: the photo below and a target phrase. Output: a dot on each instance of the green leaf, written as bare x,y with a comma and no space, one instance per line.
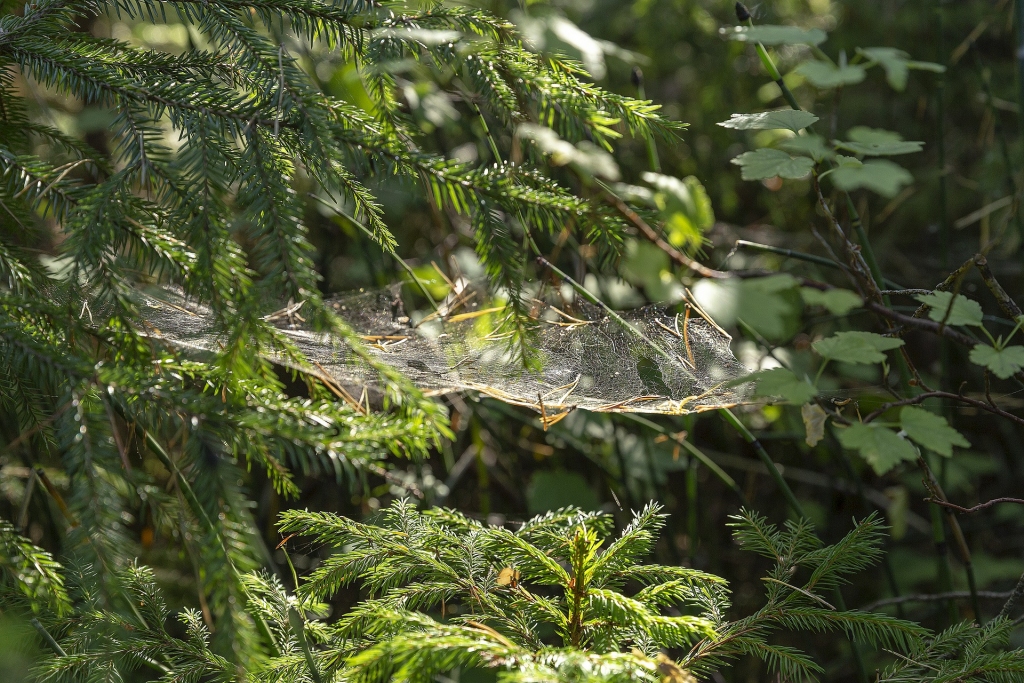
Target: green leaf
768,163
770,305
809,145
790,119
768,34
837,301
825,75
856,347
965,311
685,208
1002,362
881,176
880,447
931,431
896,64
878,142
782,383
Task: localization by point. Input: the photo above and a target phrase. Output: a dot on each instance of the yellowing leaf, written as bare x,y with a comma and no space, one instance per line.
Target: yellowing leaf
931,431
814,423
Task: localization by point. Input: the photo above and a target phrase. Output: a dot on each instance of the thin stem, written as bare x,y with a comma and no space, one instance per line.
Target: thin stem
933,486
405,266
50,641
692,450
934,597
976,508
298,628
691,511
773,471
942,568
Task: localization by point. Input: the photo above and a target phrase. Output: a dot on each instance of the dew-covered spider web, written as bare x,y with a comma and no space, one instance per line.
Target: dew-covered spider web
647,361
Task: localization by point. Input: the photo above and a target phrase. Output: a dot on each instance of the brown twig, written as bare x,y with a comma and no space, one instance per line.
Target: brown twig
920,323
1006,303
921,398
976,508
960,542
933,597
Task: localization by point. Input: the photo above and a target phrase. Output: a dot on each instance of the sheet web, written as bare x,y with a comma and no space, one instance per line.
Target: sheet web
648,361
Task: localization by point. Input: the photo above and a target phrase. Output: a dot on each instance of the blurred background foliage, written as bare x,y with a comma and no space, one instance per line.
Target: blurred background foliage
501,464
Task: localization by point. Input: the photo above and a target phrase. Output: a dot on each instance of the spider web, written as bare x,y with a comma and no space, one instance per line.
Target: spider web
647,361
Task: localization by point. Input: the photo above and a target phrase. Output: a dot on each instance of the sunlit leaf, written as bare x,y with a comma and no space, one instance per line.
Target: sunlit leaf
1002,362
837,301
685,206
810,145
789,119
881,447
768,34
896,64
771,305
964,311
931,431
825,75
877,142
881,176
768,163
856,347
782,383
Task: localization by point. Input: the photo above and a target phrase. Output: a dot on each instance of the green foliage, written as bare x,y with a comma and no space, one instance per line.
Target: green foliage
931,431
447,593
856,347
685,209
837,301
768,163
1003,362
878,175
826,75
30,571
882,448
877,142
943,307
782,383
201,184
